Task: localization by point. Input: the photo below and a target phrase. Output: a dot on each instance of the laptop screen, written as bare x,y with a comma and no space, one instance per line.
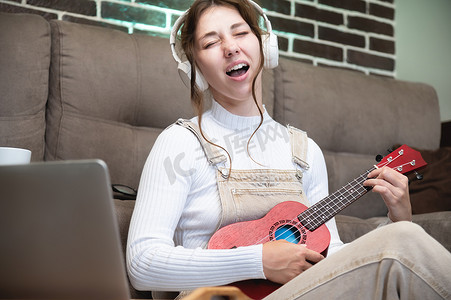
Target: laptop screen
59,232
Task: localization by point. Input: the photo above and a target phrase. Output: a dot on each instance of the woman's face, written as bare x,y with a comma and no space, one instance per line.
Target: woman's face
228,54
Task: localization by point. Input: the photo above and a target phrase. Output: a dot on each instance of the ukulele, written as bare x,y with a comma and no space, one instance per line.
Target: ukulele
294,222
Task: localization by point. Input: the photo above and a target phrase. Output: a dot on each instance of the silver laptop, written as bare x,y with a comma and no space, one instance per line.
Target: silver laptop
59,236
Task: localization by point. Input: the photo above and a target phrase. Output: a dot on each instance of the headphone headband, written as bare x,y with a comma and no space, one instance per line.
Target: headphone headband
270,49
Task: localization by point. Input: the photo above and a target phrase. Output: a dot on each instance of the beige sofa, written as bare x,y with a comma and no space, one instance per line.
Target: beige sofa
71,91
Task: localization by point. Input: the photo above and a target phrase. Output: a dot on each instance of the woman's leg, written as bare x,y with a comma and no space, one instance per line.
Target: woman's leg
397,261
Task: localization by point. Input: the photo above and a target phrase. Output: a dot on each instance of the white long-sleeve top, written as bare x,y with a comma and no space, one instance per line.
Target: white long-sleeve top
178,208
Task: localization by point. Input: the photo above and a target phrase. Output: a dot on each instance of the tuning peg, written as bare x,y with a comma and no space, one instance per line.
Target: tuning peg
380,157
418,176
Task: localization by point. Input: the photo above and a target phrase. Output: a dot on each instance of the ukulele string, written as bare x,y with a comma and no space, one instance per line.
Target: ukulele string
336,199
336,202
400,167
390,160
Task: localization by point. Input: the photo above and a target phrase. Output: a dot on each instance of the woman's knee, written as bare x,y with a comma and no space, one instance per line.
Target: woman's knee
405,228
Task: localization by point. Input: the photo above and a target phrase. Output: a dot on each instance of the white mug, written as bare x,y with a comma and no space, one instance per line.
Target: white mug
14,156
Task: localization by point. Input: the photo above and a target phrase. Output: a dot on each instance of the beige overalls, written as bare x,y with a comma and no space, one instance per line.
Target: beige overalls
249,194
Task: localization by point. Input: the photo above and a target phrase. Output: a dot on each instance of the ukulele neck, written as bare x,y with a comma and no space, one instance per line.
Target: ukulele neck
330,206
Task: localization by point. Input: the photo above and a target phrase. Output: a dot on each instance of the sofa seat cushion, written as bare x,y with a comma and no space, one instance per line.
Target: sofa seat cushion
124,211
24,61
351,228
437,224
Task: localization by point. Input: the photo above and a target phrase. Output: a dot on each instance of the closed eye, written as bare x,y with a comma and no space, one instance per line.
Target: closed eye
242,33
209,44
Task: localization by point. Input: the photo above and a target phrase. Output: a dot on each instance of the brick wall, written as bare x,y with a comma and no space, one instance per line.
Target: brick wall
352,34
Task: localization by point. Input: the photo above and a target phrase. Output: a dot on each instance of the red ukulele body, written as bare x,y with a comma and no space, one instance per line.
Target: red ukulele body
263,230
282,216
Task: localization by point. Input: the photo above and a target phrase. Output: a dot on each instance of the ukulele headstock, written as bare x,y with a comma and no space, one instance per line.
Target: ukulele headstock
404,160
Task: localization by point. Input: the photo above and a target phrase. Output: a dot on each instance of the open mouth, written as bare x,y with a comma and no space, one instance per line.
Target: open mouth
237,70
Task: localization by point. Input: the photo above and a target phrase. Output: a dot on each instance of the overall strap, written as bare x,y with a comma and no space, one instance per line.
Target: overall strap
299,143
212,153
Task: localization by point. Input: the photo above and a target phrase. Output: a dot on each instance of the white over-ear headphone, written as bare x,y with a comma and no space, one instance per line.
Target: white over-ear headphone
270,51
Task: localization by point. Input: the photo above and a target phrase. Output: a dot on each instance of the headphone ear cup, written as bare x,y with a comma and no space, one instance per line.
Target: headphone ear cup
270,50
184,69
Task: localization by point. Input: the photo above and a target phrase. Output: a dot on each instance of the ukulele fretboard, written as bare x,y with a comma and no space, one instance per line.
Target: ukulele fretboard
330,206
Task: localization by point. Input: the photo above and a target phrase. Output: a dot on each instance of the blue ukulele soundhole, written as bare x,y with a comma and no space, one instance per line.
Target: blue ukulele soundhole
289,230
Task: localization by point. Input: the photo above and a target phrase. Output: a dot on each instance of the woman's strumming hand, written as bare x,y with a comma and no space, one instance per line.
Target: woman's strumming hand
282,260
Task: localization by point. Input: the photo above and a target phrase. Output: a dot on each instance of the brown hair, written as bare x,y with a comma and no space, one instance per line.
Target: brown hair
250,16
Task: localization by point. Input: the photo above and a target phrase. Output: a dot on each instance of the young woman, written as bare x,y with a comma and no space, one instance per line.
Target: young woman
234,163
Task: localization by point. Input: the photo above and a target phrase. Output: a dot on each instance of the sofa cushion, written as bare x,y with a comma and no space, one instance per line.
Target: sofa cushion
24,61
346,111
351,228
124,210
111,94
437,224
344,167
